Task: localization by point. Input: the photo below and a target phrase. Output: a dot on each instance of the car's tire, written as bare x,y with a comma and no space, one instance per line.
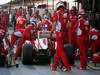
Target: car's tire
2,60
27,54
70,51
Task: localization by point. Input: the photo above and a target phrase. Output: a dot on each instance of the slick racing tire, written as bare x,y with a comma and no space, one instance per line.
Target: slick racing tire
70,51
27,54
2,60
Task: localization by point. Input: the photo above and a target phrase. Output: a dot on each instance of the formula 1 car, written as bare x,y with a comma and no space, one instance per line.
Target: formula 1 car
37,52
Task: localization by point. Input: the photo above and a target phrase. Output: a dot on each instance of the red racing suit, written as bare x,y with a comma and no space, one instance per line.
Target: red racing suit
58,16
14,37
3,35
45,23
65,21
3,32
4,22
27,35
82,38
19,13
21,22
71,31
95,40
20,27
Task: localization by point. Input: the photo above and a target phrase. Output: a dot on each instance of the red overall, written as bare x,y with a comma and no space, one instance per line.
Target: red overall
96,59
95,44
4,22
20,23
72,32
60,43
82,43
20,26
19,13
3,29
65,21
14,38
3,35
27,35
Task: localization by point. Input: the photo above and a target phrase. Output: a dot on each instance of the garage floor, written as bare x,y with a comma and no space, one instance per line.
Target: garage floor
45,70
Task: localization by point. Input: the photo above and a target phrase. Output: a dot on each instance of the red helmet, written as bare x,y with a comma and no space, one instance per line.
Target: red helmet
30,27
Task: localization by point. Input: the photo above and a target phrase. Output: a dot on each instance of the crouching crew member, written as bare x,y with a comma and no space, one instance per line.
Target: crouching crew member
19,29
28,34
95,40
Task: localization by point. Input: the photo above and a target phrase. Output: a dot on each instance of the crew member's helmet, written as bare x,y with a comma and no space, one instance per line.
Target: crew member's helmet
33,21
60,4
30,27
45,17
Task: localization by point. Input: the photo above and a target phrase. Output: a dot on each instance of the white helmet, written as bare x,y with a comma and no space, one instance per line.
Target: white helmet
59,4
